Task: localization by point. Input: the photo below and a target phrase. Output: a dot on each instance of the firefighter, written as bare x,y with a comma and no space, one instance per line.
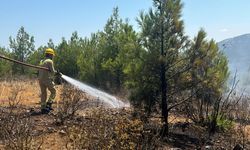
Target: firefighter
46,81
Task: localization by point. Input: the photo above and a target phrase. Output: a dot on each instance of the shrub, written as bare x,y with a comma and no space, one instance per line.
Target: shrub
222,124
72,100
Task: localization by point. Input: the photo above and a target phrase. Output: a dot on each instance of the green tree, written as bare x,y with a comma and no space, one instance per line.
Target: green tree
21,48
51,44
118,46
36,56
210,70
67,54
107,57
130,54
109,42
89,62
5,66
163,40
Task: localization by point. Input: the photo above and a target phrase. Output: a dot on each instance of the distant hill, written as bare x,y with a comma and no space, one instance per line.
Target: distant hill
237,50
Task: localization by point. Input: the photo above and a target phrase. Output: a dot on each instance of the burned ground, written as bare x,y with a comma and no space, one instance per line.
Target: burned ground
94,127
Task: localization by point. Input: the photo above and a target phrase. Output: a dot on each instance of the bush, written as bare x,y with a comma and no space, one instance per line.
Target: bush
72,101
105,129
222,124
17,131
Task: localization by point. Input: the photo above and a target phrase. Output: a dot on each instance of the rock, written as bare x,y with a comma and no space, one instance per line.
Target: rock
208,147
218,141
51,130
62,132
238,147
58,122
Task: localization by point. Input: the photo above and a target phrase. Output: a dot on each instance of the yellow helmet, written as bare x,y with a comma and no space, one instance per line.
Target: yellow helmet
50,51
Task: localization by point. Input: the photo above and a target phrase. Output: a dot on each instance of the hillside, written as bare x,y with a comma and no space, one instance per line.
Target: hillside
237,50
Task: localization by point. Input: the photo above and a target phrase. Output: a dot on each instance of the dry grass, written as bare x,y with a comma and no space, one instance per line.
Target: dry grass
28,95
87,126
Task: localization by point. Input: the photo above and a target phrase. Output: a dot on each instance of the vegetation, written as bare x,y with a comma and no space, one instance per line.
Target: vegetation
21,48
157,65
5,67
159,68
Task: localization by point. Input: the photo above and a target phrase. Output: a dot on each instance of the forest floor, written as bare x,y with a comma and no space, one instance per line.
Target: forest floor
50,135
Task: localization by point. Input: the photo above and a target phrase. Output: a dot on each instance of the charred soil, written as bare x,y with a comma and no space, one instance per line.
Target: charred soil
87,125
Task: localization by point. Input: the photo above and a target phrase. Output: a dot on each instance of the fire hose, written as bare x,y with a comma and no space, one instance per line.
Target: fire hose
22,63
58,79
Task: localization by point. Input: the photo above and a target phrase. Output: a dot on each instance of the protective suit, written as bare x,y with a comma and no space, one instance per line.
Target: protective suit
46,79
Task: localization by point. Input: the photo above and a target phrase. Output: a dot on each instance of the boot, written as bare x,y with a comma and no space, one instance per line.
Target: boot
45,111
49,105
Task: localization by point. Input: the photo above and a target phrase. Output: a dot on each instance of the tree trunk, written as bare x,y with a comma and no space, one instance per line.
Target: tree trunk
215,114
118,80
22,60
164,100
207,106
163,81
201,117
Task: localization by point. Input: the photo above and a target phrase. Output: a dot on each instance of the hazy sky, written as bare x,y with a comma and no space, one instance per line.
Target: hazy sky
55,19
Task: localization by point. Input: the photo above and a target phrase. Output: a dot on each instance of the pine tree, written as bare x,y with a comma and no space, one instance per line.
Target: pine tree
67,54
210,70
5,66
21,47
163,40
89,61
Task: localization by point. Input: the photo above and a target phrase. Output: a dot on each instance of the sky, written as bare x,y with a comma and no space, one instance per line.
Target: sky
54,19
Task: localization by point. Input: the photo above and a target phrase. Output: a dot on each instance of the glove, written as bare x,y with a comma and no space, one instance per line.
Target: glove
58,78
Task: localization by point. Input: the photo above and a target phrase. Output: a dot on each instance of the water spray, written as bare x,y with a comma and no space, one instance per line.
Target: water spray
108,99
